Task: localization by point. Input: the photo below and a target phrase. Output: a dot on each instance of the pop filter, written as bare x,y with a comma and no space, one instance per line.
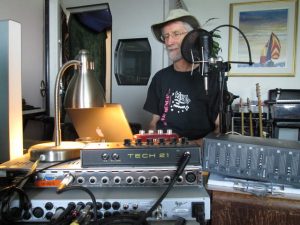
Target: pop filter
196,46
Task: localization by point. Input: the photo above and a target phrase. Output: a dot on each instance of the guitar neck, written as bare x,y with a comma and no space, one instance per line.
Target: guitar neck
259,111
260,119
250,117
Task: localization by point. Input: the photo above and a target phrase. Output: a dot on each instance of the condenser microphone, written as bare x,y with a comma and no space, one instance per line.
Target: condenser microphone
196,48
205,45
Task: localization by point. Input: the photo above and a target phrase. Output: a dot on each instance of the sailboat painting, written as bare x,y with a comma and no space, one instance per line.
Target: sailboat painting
271,51
271,32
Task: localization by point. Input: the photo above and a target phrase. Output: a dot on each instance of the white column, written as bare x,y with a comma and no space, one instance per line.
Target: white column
11,125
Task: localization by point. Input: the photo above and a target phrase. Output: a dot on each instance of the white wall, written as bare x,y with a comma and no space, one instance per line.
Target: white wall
242,86
30,14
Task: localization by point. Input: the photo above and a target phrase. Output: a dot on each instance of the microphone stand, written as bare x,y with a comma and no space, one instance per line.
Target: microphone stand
222,67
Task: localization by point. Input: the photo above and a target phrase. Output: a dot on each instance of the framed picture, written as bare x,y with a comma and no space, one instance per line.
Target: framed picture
270,28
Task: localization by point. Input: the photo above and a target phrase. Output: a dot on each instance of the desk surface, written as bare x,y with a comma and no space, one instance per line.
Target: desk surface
229,208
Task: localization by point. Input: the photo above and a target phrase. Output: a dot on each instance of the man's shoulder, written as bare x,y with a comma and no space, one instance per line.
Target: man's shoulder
165,71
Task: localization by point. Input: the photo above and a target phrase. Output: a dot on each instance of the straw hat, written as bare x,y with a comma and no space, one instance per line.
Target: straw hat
174,15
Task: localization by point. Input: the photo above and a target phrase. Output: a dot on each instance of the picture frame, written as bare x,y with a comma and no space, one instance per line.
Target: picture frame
271,30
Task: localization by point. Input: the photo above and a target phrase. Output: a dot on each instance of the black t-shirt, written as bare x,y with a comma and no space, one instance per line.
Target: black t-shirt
181,102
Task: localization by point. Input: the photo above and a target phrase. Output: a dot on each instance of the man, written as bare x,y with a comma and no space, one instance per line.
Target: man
176,96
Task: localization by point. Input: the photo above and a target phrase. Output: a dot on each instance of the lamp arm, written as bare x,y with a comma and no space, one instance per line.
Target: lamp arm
57,128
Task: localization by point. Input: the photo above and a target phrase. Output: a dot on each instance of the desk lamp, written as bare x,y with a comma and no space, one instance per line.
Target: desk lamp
84,91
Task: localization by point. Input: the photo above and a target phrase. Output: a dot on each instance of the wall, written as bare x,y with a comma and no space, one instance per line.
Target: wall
30,14
242,86
131,19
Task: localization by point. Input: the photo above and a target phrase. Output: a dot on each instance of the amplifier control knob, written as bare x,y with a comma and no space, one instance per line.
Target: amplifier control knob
115,156
105,156
138,141
127,142
150,141
161,141
184,140
173,141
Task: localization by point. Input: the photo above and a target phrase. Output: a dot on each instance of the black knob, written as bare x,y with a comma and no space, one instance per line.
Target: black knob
127,142
150,141
138,141
106,205
48,215
115,156
38,212
105,156
98,205
173,140
116,205
184,141
161,141
49,205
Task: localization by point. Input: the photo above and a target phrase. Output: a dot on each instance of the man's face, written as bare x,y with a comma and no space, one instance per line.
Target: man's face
173,34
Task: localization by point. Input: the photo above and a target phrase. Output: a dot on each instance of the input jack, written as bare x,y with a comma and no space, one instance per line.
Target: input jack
154,179
142,179
93,180
117,180
129,180
104,180
80,180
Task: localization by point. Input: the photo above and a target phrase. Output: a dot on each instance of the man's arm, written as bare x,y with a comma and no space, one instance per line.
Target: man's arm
153,122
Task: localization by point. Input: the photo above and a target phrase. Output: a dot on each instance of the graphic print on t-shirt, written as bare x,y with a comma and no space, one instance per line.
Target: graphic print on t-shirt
175,102
180,102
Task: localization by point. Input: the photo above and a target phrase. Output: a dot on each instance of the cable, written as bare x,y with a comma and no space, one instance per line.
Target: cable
59,191
182,164
15,191
140,218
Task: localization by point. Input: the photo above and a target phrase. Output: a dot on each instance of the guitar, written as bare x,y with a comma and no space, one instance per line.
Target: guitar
250,117
259,104
242,117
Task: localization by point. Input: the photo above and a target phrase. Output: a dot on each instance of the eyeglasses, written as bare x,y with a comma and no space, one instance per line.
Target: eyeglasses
175,35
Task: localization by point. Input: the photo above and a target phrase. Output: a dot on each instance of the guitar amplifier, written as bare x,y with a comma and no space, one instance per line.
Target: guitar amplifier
253,158
285,104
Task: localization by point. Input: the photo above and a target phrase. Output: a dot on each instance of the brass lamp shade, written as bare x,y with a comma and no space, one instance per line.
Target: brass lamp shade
84,90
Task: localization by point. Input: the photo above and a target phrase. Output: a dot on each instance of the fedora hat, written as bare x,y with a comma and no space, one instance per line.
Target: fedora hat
174,15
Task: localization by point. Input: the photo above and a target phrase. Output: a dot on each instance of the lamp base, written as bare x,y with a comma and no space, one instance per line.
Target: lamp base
49,152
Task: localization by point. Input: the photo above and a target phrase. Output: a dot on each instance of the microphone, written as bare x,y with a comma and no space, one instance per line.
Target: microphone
205,43
196,48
